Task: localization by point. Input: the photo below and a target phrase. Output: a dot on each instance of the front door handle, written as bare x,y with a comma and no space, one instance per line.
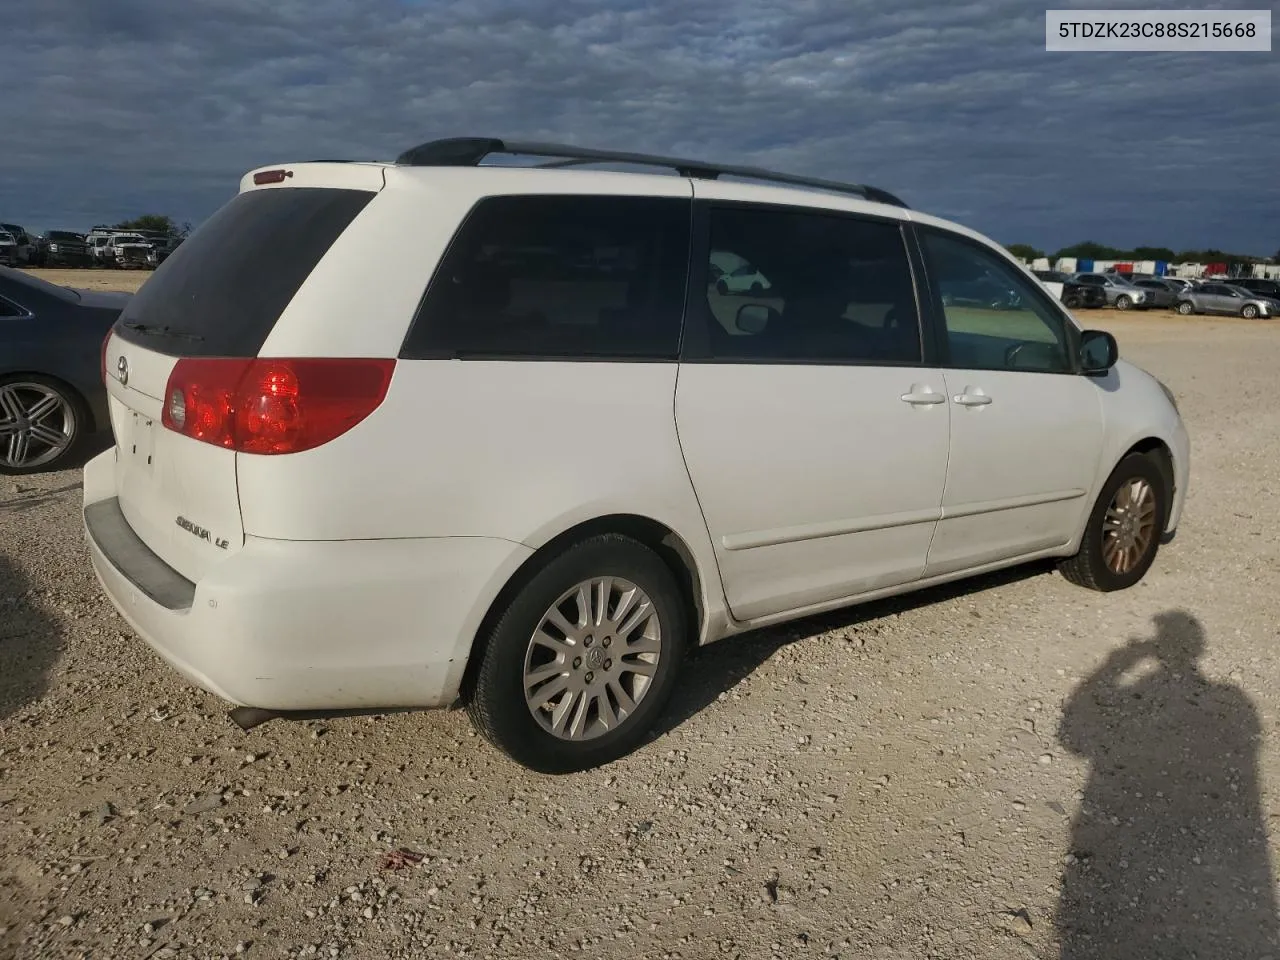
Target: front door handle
922,396
972,397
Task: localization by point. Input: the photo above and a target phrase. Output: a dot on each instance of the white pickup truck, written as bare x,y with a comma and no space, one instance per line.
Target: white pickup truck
119,249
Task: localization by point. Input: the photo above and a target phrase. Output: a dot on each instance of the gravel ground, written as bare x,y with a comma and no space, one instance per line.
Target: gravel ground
1009,768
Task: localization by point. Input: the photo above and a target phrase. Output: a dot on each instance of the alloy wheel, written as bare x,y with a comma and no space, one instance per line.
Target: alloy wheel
37,424
1129,525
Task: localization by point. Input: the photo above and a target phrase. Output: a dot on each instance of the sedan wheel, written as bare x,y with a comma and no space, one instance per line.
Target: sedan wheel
1249,312
1186,308
39,425
1123,302
580,663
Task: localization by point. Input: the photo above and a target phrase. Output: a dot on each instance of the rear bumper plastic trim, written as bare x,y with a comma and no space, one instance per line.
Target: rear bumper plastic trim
125,551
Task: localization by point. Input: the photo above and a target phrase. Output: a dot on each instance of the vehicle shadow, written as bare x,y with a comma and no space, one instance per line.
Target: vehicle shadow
30,642
714,669
1169,854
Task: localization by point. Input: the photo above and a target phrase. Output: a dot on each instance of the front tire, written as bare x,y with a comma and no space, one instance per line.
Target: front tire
1123,533
1123,302
1185,308
1249,312
583,660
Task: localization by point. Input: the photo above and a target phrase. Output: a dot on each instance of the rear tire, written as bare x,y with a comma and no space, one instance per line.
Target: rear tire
1071,302
558,700
1123,532
54,422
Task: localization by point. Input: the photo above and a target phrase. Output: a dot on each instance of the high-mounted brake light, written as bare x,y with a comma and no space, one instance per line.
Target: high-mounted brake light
272,406
271,176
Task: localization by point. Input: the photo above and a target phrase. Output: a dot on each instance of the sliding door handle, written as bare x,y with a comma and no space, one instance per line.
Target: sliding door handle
922,397
972,397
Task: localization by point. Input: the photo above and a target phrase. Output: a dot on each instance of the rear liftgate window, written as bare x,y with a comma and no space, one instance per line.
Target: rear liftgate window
560,277
220,292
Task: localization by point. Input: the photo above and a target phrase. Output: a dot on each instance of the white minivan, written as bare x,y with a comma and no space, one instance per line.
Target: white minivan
440,432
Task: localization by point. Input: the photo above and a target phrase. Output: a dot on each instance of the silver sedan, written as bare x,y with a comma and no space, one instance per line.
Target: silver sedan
1226,299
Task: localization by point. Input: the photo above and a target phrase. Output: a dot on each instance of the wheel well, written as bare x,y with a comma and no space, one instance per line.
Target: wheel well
662,540
1158,451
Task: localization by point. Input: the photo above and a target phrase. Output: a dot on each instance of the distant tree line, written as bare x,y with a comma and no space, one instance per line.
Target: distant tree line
1097,251
157,223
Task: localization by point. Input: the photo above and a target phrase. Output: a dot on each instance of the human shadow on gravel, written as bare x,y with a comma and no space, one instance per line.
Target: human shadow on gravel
30,642
1169,855
717,668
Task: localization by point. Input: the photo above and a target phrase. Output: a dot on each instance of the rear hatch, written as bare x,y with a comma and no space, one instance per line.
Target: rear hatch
218,295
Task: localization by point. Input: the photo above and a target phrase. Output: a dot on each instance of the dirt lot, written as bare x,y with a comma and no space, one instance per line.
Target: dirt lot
987,771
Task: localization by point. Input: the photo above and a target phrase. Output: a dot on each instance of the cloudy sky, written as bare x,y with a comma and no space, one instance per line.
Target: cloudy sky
111,109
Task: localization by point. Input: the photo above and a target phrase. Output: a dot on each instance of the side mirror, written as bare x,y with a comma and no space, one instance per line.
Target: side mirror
754,317
1098,352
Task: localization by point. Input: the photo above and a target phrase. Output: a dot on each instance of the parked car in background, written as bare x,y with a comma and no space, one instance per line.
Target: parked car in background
1083,295
23,247
732,274
1179,284
64,248
52,395
309,503
127,250
1227,299
1260,286
166,250
8,248
1054,281
1159,292
1120,293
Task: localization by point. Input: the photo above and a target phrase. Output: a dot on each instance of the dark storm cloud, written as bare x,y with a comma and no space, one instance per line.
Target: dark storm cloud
149,104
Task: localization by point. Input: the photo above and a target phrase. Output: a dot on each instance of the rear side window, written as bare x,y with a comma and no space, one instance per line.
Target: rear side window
560,277
220,293
794,286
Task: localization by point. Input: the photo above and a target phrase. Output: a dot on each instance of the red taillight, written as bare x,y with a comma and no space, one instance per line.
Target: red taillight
272,406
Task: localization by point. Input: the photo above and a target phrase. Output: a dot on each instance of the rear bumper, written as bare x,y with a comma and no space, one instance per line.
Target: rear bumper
315,625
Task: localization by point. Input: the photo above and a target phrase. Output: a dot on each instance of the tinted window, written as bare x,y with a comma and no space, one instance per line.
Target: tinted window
221,292
996,318
560,277
1091,280
819,288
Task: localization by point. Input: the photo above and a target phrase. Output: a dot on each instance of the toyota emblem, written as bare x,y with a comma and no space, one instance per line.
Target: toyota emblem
122,370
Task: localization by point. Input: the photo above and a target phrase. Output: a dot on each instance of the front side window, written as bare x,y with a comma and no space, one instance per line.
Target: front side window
560,277
818,288
995,317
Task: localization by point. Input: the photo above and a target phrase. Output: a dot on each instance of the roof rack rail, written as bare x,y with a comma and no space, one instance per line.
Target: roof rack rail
470,151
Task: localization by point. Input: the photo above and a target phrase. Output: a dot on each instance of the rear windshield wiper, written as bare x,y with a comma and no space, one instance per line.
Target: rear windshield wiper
150,330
